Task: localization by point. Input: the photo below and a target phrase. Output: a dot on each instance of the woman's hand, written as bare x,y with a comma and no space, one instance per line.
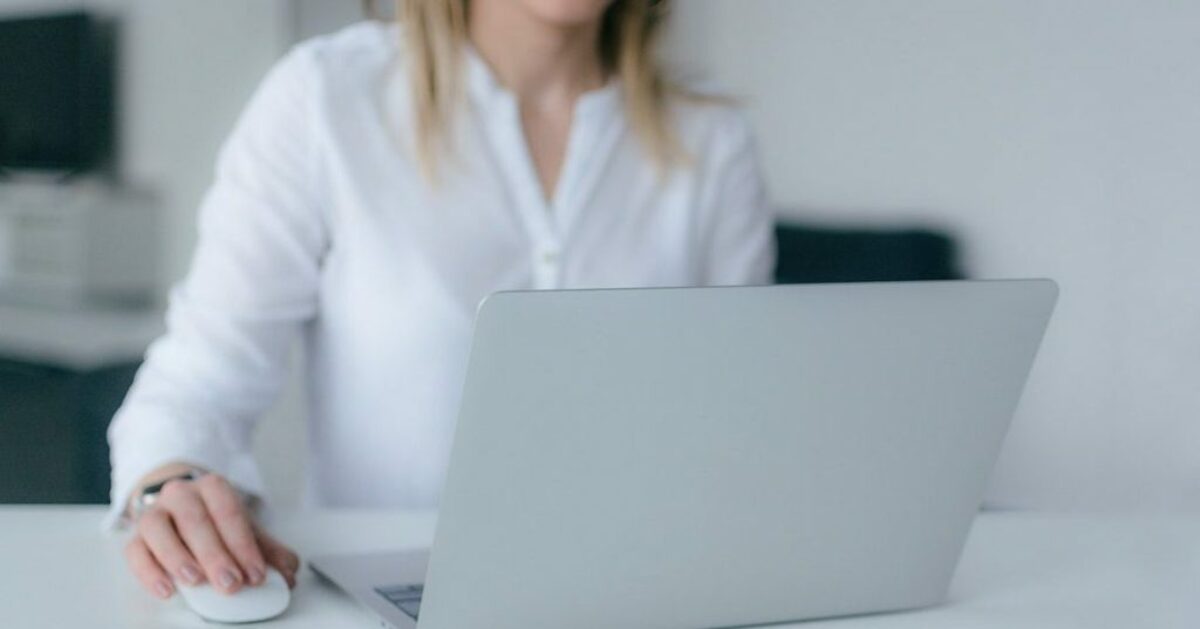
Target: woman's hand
199,530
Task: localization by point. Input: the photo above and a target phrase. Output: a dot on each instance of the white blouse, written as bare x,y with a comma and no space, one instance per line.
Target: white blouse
319,224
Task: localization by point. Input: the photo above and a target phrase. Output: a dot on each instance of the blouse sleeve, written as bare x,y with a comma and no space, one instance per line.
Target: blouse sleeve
251,285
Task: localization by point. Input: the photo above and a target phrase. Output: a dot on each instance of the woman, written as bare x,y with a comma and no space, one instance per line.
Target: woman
382,181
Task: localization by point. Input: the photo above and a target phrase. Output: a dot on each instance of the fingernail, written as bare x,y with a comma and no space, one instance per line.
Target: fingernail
163,589
226,579
255,575
190,575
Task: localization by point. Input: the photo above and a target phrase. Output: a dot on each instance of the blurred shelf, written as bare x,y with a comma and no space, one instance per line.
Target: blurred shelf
76,339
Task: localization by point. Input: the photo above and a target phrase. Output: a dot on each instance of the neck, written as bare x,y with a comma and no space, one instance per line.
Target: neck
535,60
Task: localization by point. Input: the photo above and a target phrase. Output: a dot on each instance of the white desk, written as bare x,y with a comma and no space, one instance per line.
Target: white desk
1019,570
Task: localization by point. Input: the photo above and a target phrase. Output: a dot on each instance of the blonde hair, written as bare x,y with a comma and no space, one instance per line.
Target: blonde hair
435,31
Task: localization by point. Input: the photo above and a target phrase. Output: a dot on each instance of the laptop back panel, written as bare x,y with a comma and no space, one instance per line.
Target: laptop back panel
685,458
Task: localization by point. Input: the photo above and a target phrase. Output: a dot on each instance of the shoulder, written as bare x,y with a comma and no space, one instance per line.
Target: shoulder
365,41
355,52
709,123
317,81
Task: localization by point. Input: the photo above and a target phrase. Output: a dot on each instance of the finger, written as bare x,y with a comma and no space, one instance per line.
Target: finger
159,536
283,560
279,557
199,534
148,571
227,512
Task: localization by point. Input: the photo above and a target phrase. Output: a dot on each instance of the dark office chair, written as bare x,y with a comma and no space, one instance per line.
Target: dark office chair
812,254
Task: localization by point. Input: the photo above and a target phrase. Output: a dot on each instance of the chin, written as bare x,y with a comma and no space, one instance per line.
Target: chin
567,12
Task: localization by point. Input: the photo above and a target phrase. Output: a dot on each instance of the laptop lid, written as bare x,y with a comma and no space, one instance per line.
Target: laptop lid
724,456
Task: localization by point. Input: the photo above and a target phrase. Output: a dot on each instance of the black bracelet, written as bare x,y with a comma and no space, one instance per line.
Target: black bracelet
157,487
149,494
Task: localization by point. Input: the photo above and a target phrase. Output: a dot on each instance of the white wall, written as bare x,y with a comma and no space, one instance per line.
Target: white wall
190,67
317,17
1058,138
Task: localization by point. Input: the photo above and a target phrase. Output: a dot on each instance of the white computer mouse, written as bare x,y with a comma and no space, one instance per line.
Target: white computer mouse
250,604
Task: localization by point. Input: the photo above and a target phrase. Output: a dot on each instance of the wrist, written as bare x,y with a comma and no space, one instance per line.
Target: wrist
148,490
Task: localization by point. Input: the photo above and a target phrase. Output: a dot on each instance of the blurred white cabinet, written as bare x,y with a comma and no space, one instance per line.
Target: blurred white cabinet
66,245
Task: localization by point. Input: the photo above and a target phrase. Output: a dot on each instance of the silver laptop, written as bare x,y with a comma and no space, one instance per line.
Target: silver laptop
686,458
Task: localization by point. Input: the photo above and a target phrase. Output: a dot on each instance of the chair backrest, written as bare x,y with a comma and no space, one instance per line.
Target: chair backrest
818,254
